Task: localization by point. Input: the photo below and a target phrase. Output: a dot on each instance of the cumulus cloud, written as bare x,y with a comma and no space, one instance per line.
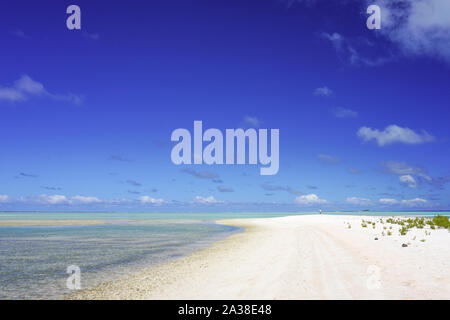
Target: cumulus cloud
53,199
335,38
418,28
358,201
252,121
84,200
349,50
150,200
408,180
414,27
416,173
207,200
388,201
323,91
4,198
344,113
394,134
61,199
309,199
119,201
402,168
11,94
328,159
25,87
416,202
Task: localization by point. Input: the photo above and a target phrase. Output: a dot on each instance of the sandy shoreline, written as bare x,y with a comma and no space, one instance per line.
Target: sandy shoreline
298,257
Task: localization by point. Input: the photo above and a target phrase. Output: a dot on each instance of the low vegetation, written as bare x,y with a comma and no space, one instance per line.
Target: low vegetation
406,224
441,221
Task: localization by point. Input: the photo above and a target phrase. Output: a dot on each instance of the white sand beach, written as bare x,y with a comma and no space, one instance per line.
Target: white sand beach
299,257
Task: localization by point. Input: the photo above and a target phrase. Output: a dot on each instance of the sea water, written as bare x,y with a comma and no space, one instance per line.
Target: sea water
34,260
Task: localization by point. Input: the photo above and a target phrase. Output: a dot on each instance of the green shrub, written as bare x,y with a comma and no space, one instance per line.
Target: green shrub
403,231
441,221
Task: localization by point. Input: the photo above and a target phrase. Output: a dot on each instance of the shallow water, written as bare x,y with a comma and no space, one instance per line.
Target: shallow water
34,260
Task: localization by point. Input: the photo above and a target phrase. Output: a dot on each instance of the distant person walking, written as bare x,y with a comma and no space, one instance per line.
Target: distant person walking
320,211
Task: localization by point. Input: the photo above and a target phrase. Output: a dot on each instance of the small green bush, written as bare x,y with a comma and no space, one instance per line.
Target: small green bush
441,221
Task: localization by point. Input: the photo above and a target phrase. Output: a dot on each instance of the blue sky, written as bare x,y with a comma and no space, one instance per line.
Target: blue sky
87,115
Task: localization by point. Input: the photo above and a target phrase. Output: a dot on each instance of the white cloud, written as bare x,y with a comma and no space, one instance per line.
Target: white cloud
323,91
417,27
309,199
344,113
25,87
402,168
408,180
388,201
394,134
417,202
150,200
53,199
4,198
358,201
85,200
253,121
61,199
349,50
335,38
206,200
11,94
118,201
